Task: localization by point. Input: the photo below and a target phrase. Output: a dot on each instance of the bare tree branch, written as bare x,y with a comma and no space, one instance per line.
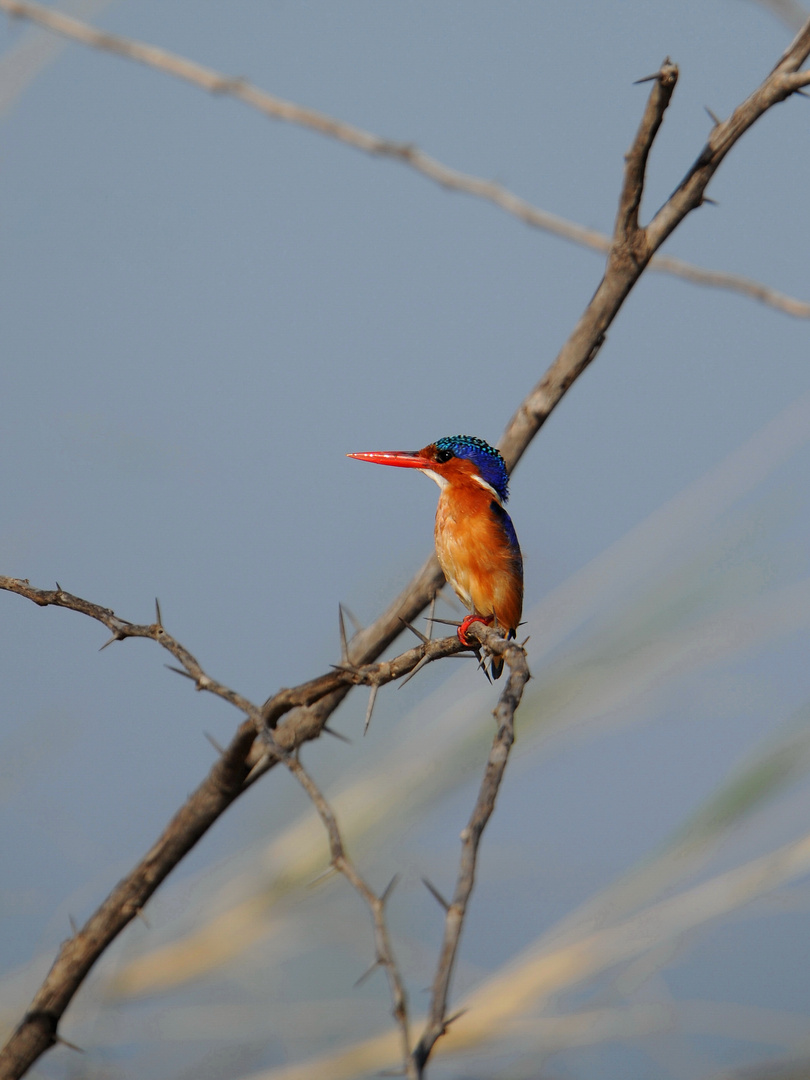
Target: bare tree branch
376,905
636,160
504,715
783,81
343,676
237,768
633,247
307,708
122,629
278,109
37,1031
239,765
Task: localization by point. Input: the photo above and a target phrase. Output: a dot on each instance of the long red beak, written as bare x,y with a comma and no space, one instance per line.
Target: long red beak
405,459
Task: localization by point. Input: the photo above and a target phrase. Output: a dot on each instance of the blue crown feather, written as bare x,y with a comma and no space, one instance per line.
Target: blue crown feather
490,464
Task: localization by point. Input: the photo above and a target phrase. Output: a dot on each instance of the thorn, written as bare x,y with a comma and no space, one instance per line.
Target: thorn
116,637
413,629
372,697
525,640
392,884
430,616
179,671
482,663
63,1042
73,925
366,974
446,622
159,619
358,626
803,93
434,892
425,660
336,734
142,917
345,667
651,78
715,119
711,202
219,749
452,1019
257,768
59,587
327,873
344,644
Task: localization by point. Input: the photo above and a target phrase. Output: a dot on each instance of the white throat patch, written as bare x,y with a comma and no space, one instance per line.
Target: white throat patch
489,488
444,483
440,480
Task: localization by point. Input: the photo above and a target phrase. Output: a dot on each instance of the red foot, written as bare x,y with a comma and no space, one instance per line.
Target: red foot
467,623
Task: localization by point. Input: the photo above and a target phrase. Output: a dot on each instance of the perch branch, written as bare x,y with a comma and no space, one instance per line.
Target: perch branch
277,108
342,676
502,742
234,770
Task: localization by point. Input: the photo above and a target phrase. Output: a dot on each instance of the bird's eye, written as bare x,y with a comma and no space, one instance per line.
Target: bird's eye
443,455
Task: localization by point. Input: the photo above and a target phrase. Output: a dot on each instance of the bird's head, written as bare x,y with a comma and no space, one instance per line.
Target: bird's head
452,460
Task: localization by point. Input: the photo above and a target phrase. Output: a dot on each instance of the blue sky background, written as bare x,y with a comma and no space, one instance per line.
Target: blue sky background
203,311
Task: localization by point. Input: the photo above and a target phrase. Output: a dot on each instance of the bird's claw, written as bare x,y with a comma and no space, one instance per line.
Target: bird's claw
467,623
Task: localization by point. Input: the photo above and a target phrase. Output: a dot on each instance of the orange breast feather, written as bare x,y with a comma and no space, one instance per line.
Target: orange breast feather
476,553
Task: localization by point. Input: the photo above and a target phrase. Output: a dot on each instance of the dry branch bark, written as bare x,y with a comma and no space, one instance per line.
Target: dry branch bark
276,108
228,779
504,714
376,905
37,1031
305,710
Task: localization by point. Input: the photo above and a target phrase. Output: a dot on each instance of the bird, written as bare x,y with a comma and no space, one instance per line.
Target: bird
476,543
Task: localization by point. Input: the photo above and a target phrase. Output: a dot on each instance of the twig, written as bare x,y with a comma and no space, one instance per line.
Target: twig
121,629
633,246
376,905
504,714
407,153
785,79
635,170
285,700
238,766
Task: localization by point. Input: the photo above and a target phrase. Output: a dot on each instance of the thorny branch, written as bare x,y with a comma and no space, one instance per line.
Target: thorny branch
504,714
237,768
121,629
306,709
343,676
633,246
406,153
376,905
455,911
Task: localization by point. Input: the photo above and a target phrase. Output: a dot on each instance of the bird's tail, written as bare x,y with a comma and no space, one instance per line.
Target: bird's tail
496,664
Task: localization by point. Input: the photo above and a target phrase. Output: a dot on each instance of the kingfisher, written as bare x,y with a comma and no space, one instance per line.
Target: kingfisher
476,543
